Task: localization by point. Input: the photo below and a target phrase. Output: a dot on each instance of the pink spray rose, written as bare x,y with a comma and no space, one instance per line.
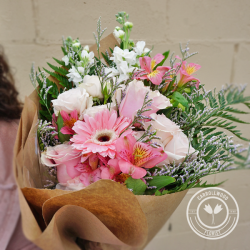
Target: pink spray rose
174,142
135,95
64,157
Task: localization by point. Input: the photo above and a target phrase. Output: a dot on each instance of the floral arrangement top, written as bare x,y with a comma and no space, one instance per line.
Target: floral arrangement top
128,118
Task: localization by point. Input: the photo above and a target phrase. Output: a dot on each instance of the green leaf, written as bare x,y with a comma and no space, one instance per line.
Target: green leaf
159,182
158,193
137,185
64,51
60,62
61,71
45,114
236,111
180,98
165,58
62,137
63,80
205,185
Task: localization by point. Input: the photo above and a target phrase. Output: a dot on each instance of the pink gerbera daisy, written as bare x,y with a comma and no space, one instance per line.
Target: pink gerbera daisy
99,134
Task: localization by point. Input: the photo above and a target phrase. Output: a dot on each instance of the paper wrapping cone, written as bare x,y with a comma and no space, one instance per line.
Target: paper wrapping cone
105,212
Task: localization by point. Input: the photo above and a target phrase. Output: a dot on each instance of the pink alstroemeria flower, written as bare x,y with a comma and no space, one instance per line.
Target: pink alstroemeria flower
88,175
186,71
134,156
110,170
148,72
68,122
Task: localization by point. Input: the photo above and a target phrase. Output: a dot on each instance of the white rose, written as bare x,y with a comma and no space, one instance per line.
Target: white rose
95,109
159,101
73,99
92,86
174,142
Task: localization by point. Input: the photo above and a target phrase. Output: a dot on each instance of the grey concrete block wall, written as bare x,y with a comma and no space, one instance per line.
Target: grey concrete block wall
31,31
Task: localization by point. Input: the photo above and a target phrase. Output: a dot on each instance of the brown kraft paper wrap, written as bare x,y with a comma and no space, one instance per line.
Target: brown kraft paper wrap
105,212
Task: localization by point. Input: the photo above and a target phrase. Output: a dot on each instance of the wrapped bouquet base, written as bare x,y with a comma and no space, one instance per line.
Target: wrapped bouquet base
105,212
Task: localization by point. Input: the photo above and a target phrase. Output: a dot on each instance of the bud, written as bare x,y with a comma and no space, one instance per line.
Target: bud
117,28
119,20
131,43
76,43
69,39
122,13
129,25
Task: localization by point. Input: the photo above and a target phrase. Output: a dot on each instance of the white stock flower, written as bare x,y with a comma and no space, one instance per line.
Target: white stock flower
65,59
92,85
86,48
88,56
139,49
123,55
125,71
174,142
74,76
73,99
119,33
112,72
81,70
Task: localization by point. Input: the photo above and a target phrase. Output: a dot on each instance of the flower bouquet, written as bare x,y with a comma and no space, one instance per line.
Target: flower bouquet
111,140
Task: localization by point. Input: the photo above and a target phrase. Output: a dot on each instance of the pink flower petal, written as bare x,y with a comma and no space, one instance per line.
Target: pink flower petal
74,114
126,167
139,173
145,63
114,164
156,160
62,174
67,131
93,161
70,166
157,59
64,115
156,77
124,147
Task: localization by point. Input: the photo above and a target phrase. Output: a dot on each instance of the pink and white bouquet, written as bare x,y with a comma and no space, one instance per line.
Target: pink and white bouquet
132,117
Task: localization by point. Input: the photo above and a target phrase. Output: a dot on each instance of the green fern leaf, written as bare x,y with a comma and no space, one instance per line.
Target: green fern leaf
61,71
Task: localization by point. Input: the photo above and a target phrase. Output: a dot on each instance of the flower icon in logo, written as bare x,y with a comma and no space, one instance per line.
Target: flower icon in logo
216,210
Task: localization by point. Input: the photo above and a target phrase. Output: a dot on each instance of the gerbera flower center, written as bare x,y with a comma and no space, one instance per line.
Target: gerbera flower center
104,137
